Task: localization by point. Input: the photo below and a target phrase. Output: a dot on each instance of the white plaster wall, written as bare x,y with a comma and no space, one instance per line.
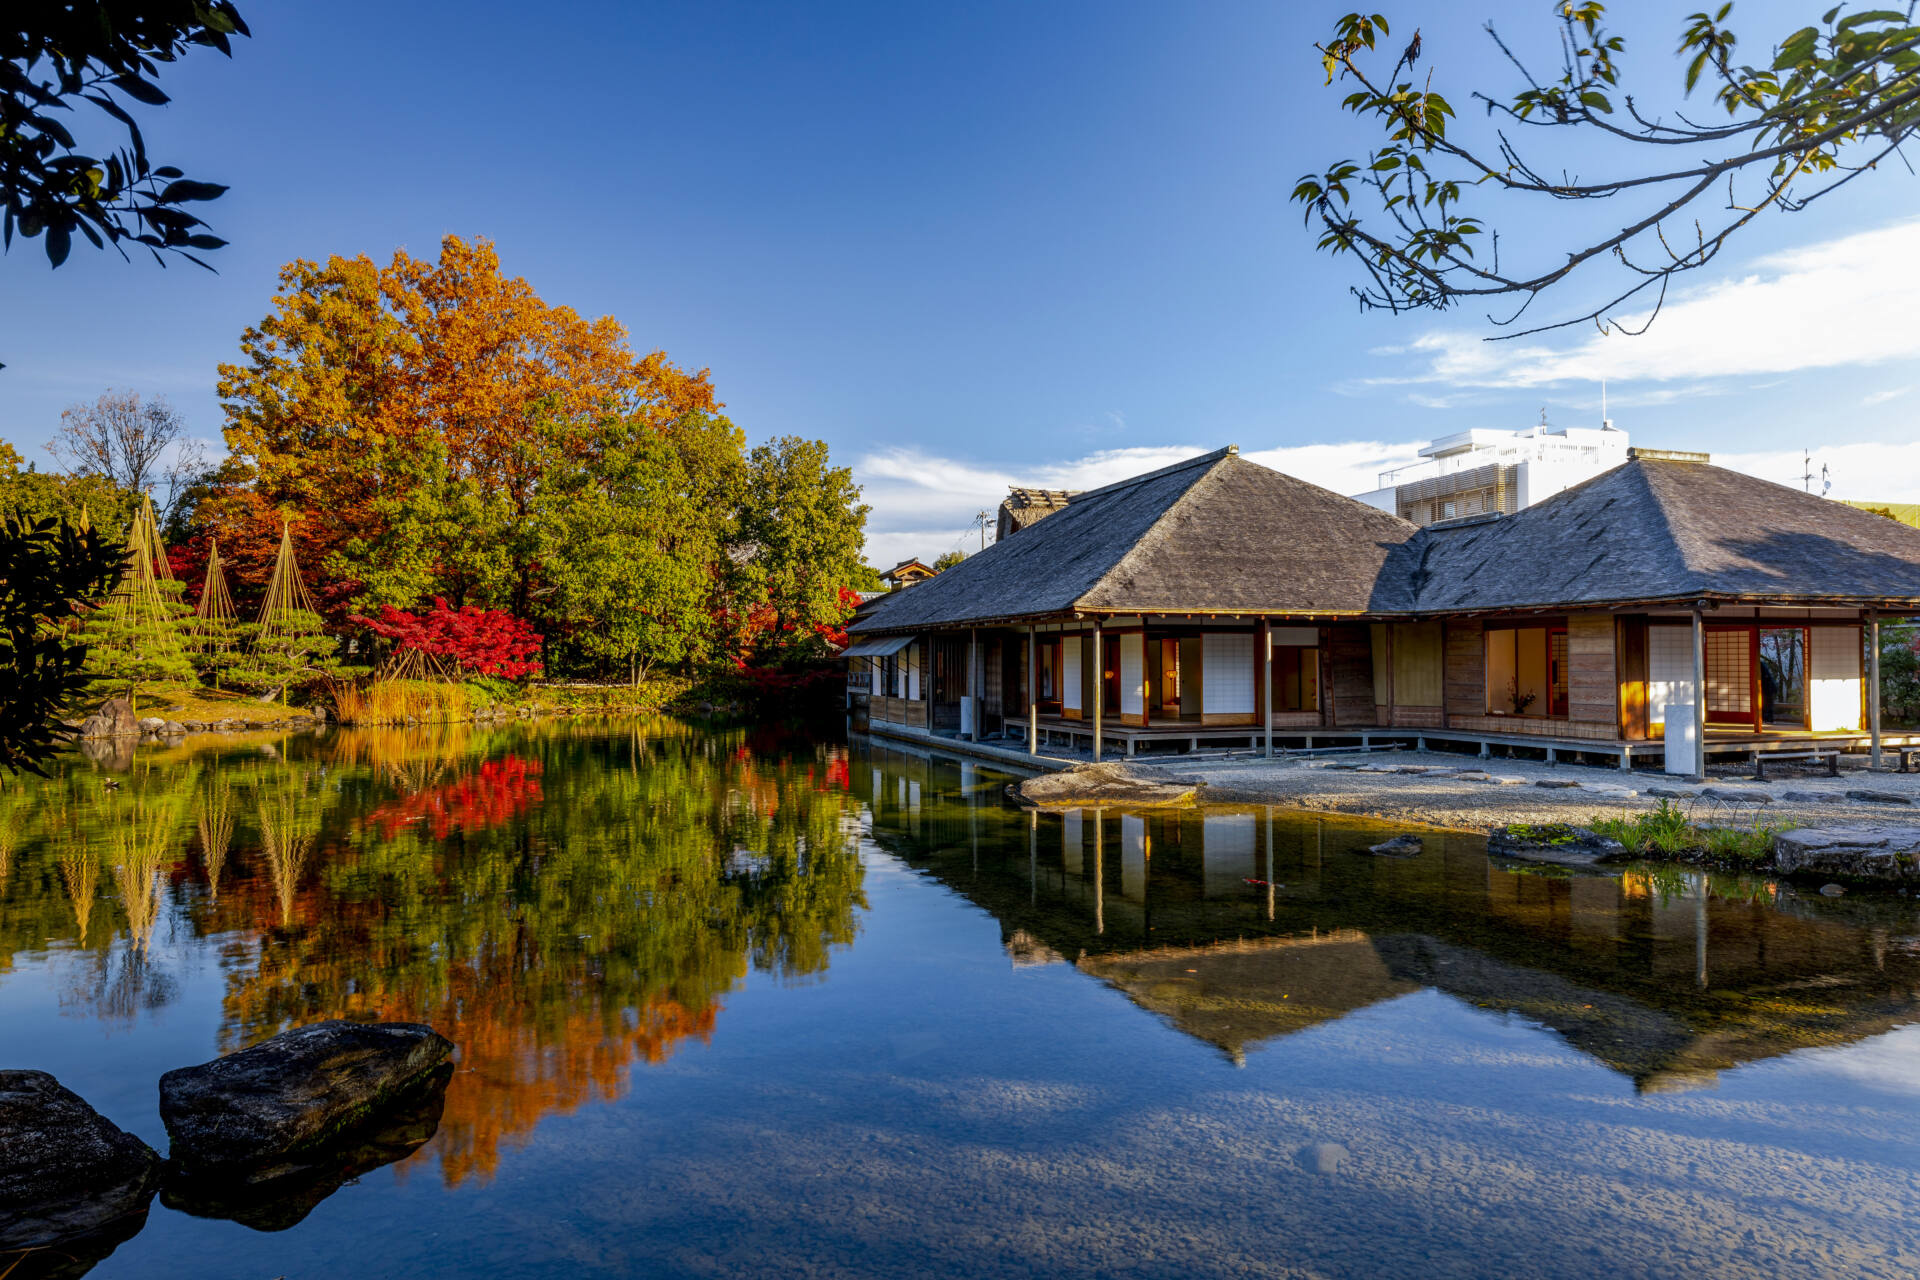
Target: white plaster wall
1834,678
1133,673
1669,669
1227,853
1227,673
1070,673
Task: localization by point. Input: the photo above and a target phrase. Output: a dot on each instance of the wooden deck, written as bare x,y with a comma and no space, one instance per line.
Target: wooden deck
1294,738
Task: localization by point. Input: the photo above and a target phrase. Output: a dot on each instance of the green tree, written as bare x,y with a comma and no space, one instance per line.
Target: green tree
802,526
30,494
433,530
948,559
628,543
1836,99
55,57
141,633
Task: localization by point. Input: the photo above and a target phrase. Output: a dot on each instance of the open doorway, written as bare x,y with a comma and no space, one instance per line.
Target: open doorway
1783,677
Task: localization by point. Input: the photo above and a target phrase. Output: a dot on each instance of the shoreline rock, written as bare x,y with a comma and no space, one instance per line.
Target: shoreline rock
1111,782
66,1171
258,1111
1883,851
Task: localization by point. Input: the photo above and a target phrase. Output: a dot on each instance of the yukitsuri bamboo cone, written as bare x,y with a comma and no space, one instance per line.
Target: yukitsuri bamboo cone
286,595
147,614
151,522
140,844
285,839
213,617
216,833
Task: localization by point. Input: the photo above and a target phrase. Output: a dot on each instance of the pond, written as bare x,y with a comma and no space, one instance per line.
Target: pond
727,1003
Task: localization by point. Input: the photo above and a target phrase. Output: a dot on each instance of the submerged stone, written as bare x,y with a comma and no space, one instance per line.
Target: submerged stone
1557,842
1111,782
66,1171
267,1105
1398,847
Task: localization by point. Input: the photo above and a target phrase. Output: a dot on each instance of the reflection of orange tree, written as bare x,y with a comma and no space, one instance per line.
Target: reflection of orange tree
566,942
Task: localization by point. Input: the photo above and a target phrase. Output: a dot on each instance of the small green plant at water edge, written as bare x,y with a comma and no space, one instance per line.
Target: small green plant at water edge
1544,833
1668,831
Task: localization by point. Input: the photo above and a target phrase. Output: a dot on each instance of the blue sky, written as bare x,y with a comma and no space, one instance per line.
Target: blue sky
964,244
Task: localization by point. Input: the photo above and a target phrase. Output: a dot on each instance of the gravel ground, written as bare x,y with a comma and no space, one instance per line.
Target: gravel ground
1463,792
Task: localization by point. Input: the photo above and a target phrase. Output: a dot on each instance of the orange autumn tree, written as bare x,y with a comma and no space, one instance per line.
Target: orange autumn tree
412,410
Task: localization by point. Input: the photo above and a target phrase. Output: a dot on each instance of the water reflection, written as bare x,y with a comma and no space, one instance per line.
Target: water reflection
1241,926
560,903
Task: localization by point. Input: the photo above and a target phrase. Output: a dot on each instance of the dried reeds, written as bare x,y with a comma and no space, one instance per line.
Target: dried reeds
388,701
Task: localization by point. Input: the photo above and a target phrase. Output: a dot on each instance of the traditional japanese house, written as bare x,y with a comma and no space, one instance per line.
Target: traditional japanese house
1665,601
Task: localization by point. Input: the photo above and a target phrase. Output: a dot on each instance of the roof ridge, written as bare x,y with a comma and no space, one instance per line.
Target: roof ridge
1146,535
1169,469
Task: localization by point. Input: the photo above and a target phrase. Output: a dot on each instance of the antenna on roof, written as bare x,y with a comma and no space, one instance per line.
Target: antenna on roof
1806,471
1606,423
1826,481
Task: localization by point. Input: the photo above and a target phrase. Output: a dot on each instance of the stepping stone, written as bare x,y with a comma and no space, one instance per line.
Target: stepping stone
1507,780
1473,775
1672,793
1809,797
1555,784
1608,789
1736,795
1879,797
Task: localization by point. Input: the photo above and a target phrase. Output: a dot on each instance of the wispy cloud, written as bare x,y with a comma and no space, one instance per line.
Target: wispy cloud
1849,301
1882,397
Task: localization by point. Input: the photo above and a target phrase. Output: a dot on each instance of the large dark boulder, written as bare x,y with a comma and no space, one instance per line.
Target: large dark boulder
263,1108
66,1171
281,1195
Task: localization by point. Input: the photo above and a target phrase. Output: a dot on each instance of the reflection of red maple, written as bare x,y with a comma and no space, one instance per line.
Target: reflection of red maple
497,792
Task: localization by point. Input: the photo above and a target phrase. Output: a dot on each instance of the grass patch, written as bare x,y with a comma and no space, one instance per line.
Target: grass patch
185,702
1669,831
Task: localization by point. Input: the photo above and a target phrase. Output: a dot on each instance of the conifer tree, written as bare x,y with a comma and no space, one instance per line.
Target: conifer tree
139,634
290,640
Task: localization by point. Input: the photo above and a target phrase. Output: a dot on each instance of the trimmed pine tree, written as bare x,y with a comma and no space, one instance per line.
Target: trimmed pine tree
290,640
140,634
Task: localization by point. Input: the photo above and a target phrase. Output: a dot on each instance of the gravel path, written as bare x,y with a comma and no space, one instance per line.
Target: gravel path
1463,792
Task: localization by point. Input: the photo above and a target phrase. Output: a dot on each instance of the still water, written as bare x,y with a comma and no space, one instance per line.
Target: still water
731,1005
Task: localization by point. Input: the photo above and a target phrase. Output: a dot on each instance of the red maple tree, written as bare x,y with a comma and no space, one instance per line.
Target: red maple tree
491,642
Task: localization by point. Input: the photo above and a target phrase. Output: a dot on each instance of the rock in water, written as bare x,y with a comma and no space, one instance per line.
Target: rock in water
1863,851
1107,783
66,1171
1398,847
293,1093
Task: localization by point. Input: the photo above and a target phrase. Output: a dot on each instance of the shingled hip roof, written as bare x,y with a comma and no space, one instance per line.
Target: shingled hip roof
1215,534
1220,535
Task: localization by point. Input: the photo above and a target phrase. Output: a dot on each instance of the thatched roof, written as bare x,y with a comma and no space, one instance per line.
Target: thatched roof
1024,507
1653,530
1221,535
1215,534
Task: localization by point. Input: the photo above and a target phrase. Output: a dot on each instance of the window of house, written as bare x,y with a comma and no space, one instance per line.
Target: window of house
1527,671
1444,510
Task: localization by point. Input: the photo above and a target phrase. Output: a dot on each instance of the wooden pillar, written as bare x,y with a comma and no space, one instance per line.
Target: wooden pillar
1099,872
1699,694
1265,649
1099,688
973,678
1033,695
1873,683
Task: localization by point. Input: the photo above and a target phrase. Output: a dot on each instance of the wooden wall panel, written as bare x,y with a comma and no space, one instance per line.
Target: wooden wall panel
1466,668
1630,666
1350,674
1592,674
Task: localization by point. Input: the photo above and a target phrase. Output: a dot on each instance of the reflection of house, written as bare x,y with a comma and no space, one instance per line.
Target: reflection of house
1242,925
1218,598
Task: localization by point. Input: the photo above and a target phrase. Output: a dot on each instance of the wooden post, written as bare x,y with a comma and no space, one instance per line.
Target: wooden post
973,678
1099,873
1699,694
1099,688
1266,681
1033,695
1873,683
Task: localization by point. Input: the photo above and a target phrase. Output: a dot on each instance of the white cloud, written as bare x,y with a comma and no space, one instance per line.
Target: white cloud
1862,472
1849,301
923,504
1882,397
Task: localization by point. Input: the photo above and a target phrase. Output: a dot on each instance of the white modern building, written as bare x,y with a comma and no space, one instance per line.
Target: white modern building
1474,472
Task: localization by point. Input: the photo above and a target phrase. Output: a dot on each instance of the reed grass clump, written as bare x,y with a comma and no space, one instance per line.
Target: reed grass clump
374,702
